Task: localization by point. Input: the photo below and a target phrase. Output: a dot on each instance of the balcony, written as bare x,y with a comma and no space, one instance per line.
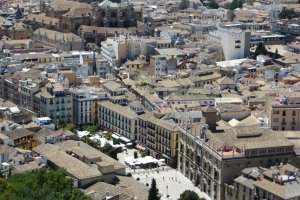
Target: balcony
283,123
293,123
152,142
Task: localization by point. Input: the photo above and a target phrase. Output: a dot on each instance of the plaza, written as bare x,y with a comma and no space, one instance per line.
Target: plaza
170,182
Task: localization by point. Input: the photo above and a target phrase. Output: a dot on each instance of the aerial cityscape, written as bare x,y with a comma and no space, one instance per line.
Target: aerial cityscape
149,100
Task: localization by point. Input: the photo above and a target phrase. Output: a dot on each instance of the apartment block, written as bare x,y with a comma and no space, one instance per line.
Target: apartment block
27,89
118,49
117,118
56,103
285,112
161,138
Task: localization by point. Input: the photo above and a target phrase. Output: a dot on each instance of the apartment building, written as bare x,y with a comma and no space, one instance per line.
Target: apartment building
284,112
11,83
280,182
286,27
160,136
163,65
27,89
201,80
119,119
114,88
118,49
84,105
56,103
199,99
212,159
173,33
102,68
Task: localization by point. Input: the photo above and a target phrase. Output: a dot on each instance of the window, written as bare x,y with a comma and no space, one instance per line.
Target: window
283,113
237,46
276,112
294,113
262,151
275,119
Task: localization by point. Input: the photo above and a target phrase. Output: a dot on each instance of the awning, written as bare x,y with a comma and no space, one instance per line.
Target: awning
138,146
124,139
115,136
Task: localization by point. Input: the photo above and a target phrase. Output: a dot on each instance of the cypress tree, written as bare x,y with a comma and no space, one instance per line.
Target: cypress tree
153,192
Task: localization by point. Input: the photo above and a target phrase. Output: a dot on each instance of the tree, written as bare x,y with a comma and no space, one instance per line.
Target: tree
61,124
69,127
235,4
260,50
107,148
287,13
43,184
110,151
153,191
91,129
212,4
189,195
144,153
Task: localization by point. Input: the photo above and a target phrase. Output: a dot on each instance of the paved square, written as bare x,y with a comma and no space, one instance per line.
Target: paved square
169,181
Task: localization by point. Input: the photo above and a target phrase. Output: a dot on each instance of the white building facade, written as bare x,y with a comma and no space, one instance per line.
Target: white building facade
235,42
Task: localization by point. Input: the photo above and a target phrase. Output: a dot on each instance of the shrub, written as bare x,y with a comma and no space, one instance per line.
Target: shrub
135,154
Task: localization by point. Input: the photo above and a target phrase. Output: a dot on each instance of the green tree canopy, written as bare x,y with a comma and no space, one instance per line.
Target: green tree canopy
40,185
91,129
260,50
107,148
235,4
189,195
212,4
153,192
69,127
287,13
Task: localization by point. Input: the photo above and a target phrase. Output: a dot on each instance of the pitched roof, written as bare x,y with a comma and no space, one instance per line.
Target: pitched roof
226,81
73,166
209,109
